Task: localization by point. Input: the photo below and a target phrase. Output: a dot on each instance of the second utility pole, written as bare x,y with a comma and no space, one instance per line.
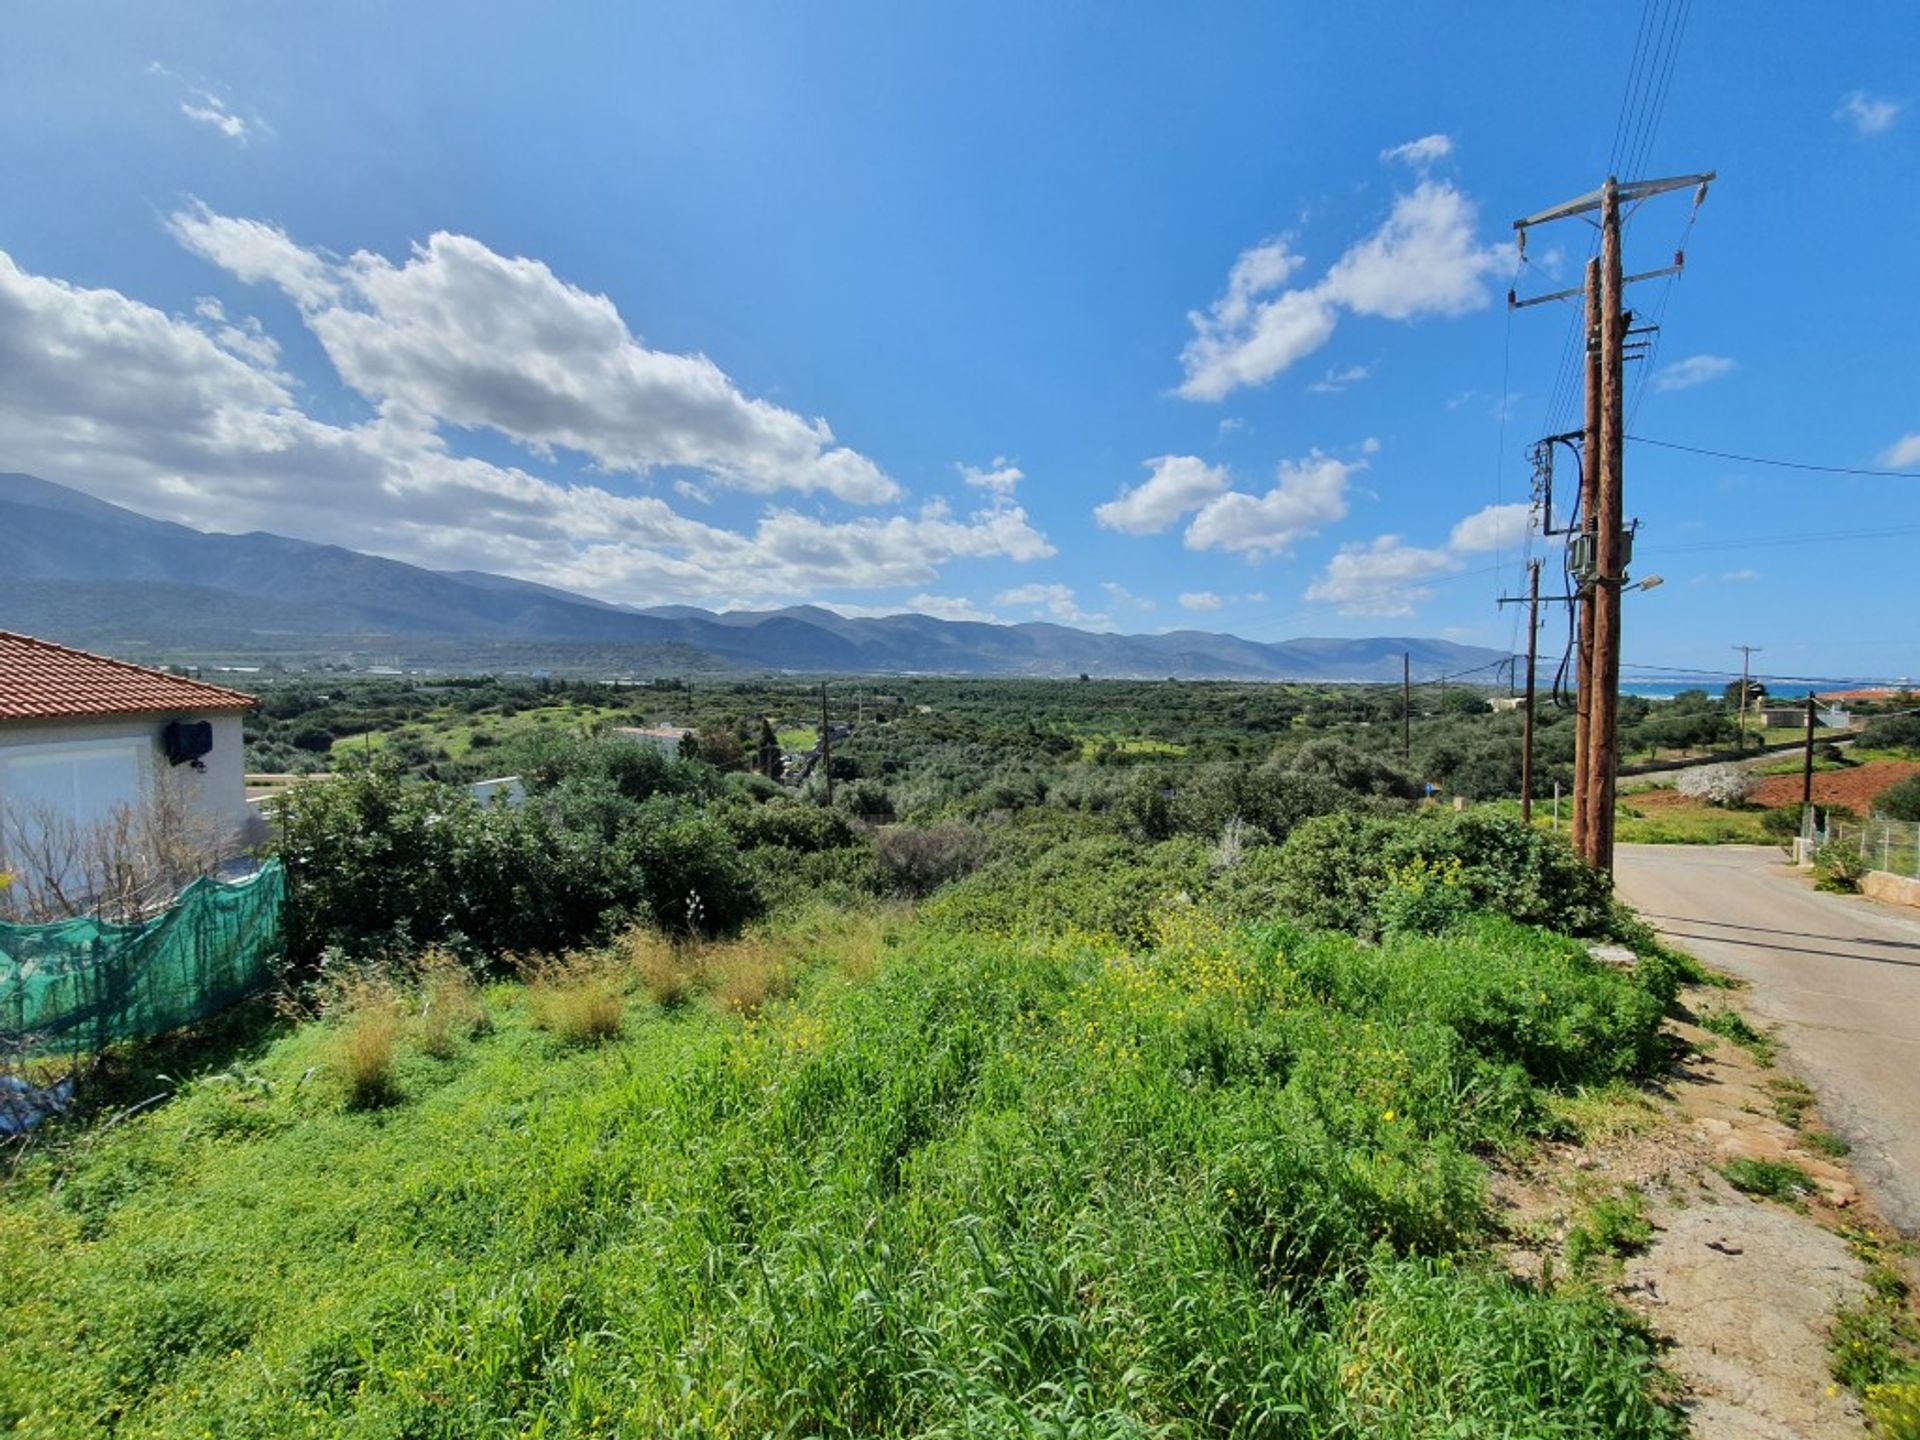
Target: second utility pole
826,743
1746,689
1526,715
1406,706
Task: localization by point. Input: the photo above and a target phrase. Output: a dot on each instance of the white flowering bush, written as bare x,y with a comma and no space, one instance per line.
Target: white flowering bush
1716,784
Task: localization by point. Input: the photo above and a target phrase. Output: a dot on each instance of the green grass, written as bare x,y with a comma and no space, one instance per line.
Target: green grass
1875,1344
1825,1142
1091,745
1732,1025
1613,1226
455,730
1771,1179
1227,1182
1689,825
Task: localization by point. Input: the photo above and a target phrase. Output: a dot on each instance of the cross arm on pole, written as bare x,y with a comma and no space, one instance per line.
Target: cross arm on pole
1627,190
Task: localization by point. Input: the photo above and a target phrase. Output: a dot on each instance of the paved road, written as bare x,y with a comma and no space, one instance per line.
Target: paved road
1838,974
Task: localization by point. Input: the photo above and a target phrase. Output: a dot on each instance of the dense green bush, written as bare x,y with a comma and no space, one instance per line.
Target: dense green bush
376,861
917,860
1891,732
1335,871
1900,801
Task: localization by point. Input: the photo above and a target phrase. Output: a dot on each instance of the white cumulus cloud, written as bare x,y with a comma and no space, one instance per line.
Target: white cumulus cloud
1199,600
1308,495
1057,600
1381,578
1001,477
153,411
1176,485
1692,371
475,338
1497,527
952,607
1424,260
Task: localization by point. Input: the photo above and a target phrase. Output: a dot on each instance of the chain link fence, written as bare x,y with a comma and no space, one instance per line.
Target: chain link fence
1889,845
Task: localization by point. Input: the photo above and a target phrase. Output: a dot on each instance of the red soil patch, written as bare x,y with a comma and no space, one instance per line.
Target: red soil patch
1856,788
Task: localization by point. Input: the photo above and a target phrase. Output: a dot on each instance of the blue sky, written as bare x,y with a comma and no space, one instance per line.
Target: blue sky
1127,316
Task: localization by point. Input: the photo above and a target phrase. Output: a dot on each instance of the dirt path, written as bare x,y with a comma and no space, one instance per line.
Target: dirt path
1744,1289
1839,976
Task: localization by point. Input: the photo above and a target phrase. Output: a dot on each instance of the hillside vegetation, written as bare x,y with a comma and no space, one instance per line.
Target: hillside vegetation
671,1103
1226,1181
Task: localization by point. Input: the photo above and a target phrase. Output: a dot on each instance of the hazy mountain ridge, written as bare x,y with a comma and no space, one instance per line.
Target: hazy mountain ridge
79,570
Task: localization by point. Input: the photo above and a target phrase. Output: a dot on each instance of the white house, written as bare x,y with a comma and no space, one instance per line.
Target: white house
82,735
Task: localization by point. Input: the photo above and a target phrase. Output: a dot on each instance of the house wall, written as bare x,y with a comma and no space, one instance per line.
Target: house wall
219,791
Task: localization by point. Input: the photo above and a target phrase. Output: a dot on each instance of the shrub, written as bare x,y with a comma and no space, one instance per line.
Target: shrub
1901,801
1269,800
788,823
1891,732
578,999
1781,823
1353,769
1716,784
1839,866
1334,871
917,860
865,798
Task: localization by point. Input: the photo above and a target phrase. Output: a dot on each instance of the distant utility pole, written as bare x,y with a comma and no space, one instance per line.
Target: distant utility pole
1602,546
826,743
1806,763
1526,713
1746,687
1406,706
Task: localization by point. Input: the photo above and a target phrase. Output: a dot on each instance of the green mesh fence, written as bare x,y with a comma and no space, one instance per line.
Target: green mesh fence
79,985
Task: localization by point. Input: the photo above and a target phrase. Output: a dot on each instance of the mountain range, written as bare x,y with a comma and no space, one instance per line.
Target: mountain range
80,571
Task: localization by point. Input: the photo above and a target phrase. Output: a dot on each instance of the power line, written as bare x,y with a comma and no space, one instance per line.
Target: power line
1805,537
1778,464
1699,672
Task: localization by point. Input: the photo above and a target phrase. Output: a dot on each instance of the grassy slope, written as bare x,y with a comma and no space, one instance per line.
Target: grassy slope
1227,1186
455,729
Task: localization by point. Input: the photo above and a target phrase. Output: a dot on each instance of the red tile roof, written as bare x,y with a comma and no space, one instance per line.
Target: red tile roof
43,681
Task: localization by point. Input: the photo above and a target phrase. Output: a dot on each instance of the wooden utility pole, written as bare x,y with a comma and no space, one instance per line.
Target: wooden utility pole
1603,736
1806,763
826,743
1526,714
1406,706
1583,641
1746,689
1601,547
